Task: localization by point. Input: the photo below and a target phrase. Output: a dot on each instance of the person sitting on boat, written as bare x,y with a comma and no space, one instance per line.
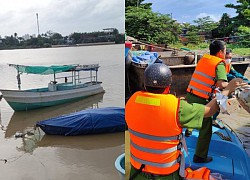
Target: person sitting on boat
209,74
155,119
233,73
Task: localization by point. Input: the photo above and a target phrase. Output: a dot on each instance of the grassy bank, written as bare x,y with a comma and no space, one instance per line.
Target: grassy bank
240,51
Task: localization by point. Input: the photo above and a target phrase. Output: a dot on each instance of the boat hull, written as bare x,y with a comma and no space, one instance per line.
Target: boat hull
27,100
181,75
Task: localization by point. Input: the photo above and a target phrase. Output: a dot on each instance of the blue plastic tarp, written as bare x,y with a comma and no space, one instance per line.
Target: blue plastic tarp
90,121
144,57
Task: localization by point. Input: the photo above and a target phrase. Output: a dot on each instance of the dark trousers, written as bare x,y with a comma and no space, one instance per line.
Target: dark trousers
145,176
204,138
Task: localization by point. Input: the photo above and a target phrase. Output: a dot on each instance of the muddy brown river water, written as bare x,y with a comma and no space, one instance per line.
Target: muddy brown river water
44,157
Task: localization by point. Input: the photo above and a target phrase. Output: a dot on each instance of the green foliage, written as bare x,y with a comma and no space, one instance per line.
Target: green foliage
52,38
225,28
137,3
243,10
242,51
133,2
191,46
244,36
143,24
193,38
205,24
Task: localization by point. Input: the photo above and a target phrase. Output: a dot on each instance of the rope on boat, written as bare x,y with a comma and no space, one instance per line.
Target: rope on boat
223,137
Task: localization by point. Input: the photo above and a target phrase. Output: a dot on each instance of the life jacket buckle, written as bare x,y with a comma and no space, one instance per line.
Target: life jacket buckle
179,146
213,87
210,95
180,136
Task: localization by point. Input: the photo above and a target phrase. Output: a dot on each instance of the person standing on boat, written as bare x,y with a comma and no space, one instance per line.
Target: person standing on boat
210,73
155,120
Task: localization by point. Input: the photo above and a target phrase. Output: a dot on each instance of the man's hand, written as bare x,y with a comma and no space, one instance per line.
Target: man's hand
232,85
212,106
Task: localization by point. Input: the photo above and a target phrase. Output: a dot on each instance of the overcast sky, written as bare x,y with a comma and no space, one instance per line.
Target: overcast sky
61,16
189,10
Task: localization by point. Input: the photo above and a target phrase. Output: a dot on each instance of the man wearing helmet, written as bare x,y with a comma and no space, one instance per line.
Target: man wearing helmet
155,120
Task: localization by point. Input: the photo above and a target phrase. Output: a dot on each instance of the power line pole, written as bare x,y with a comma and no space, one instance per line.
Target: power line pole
37,24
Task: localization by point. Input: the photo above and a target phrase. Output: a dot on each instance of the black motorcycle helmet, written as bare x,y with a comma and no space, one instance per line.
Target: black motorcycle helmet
157,77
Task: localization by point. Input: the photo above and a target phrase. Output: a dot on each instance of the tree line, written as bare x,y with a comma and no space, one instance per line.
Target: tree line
144,24
50,38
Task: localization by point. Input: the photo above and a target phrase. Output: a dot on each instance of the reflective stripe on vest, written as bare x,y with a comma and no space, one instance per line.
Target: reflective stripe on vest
201,91
155,138
163,165
148,101
156,151
155,132
203,80
205,75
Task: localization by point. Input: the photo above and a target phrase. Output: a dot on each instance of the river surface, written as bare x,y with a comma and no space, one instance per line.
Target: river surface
44,157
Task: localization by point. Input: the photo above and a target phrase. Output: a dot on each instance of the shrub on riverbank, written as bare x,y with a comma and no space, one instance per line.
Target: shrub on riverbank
237,49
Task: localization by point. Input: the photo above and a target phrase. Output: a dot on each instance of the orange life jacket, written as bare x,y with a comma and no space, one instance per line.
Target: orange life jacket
155,132
202,173
228,67
203,80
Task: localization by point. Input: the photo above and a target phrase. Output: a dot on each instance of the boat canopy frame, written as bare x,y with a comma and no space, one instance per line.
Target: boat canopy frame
55,69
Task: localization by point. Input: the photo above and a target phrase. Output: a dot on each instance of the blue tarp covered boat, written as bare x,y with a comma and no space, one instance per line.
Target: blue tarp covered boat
90,121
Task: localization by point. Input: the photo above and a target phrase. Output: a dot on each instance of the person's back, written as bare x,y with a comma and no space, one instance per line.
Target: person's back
145,115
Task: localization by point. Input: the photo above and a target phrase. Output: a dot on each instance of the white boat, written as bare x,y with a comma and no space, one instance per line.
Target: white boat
74,87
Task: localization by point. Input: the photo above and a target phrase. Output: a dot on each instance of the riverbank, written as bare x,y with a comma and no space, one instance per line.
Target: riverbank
85,44
63,45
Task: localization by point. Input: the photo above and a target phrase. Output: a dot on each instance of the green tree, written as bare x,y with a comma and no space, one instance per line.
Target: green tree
243,10
243,34
76,37
225,27
137,3
242,21
133,2
143,24
205,24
